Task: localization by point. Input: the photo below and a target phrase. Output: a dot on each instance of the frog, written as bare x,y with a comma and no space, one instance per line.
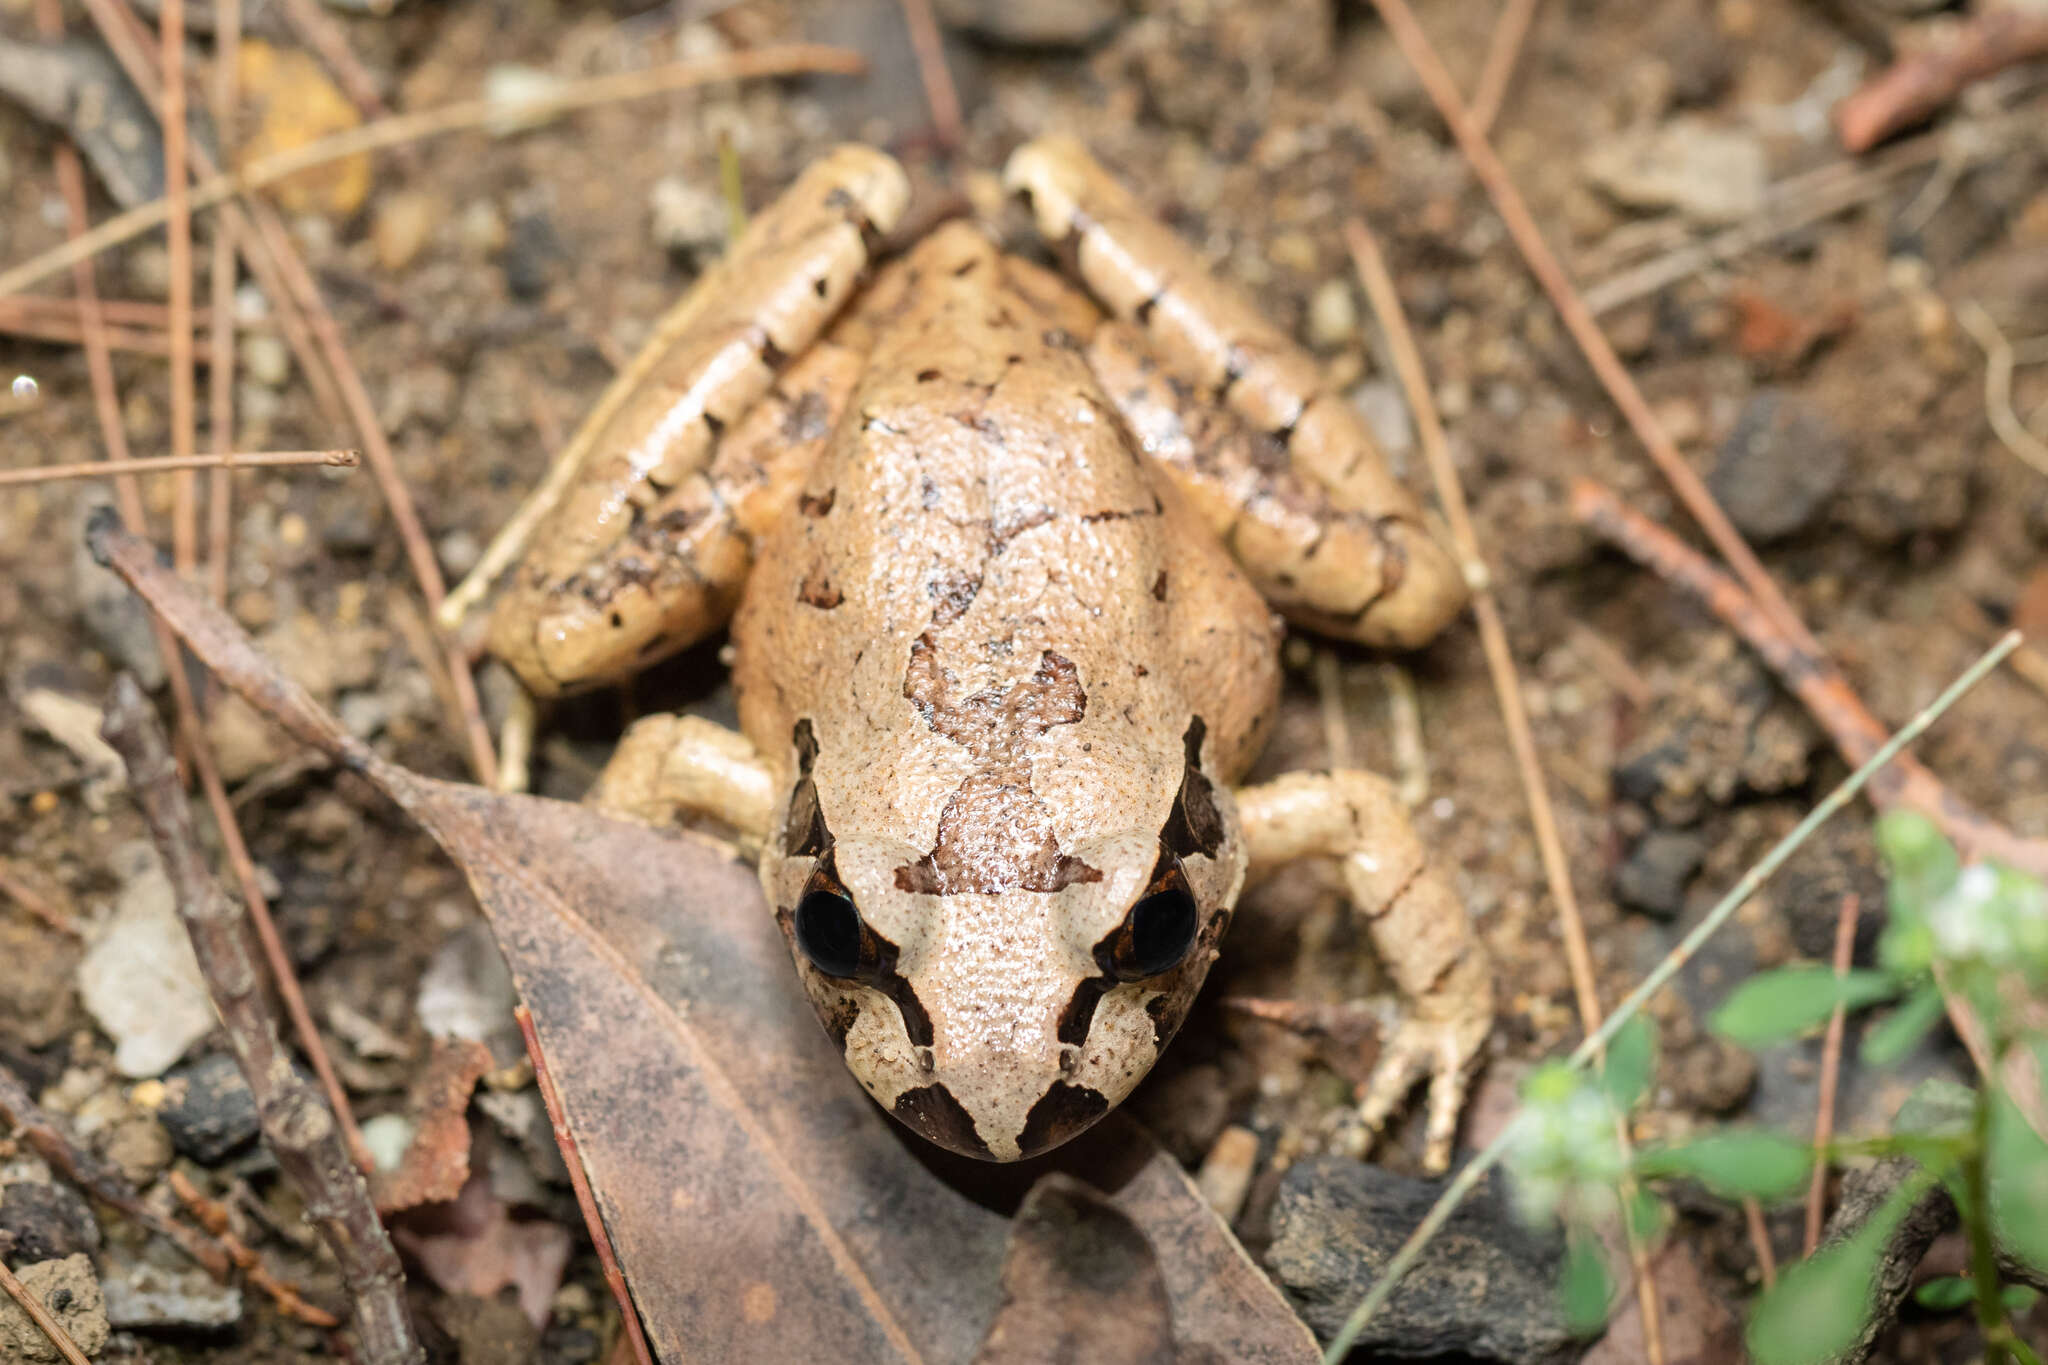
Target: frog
1005,545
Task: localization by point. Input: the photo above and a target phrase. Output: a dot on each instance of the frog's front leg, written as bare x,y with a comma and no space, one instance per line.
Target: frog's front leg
643,532
1241,418
1419,929
669,765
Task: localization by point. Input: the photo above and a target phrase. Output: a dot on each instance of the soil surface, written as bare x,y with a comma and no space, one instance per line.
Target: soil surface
489,286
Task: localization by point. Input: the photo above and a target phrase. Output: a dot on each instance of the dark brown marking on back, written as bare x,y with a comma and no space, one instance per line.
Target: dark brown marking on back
818,590
1194,825
803,829
1061,1112
816,505
952,593
933,1111
1159,587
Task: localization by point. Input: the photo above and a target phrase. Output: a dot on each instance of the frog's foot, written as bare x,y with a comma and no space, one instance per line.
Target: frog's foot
1419,928
666,766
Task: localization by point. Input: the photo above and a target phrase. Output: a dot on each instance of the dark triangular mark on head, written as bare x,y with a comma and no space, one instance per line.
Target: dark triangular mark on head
1194,825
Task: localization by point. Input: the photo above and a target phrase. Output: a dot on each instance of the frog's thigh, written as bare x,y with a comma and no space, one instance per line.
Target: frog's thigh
1223,352
1419,928
669,765
1323,565
596,595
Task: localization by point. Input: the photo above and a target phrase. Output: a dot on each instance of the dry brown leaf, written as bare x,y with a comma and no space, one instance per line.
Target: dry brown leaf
761,1205
436,1161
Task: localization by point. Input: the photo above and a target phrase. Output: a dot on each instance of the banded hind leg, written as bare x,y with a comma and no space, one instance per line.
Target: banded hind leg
1419,929
642,535
1284,470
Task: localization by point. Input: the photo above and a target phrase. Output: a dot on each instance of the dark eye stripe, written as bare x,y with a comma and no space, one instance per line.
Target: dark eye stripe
1194,826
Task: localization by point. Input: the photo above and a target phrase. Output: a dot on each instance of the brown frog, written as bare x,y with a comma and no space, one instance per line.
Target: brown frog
1000,561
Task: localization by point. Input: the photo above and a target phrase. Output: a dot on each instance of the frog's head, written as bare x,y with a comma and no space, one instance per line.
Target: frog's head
1001,990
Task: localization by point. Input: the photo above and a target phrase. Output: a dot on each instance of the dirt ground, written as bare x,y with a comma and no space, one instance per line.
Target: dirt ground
489,286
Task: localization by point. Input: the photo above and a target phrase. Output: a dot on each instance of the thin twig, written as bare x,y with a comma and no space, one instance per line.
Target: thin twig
1579,320
178,237
167,464
1503,50
213,1216
1760,1240
49,1140
1378,281
303,1134
220,370
579,1180
1674,962
1810,675
2011,431
40,1316
138,313
28,898
71,332
1915,87
929,47
787,60
1830,1076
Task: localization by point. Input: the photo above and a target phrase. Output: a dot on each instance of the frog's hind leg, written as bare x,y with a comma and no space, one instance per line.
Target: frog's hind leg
667,765
1239,415
642,534
1419,929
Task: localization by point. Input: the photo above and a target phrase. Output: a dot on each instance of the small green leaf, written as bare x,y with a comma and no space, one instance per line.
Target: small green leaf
1903,1027
1922,863
1777,1006
1818,1307
1585,1286
1631,1062
2018,1298
2018,1164
1735,1163
1946,1294
1648,1216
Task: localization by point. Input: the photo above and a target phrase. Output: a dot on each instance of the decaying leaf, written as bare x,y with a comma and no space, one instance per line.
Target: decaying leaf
436,1162
762,1206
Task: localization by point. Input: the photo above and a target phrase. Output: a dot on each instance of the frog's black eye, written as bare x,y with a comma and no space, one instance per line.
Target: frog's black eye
1159,930
828,931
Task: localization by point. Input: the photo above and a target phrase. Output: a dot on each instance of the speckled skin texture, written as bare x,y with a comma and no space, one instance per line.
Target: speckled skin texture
998,657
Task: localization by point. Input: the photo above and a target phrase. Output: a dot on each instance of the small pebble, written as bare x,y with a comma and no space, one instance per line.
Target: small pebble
47,1220
1332,315
68,1289
144,1293
139,978
404,225
208,1109
266,359
481,229
687,219
1780,466
24,388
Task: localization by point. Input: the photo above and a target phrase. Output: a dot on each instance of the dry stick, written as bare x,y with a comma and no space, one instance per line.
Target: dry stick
1830,1076
29,899
128,497
1578,319
300,291
1811,676
303,1134
929,46
1915,87
213,1216
60,308
71,331
2005,423
178,464
1760,1240
220,371
1474,1171
92,1174
178,236
787,60
40,1316
1371,265
1502,52
579,1180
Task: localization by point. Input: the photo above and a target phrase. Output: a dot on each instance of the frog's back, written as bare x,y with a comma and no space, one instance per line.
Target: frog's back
982,571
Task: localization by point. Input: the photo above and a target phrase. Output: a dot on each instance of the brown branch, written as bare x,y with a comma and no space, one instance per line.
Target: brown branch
1371,265
1916,87
213,1216
940,95
220,370
71,332
1811,676
82,1168
178,236
165,464
303,1134
1579,321
1502,52
1830,1076
1760,1240
40,1316
580,1182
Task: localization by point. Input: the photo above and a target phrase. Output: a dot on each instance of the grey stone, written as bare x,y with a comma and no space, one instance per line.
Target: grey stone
1654,876
1779,466
208,1110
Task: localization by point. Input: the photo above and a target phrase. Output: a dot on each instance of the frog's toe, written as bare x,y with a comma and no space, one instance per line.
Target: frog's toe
1441,1050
